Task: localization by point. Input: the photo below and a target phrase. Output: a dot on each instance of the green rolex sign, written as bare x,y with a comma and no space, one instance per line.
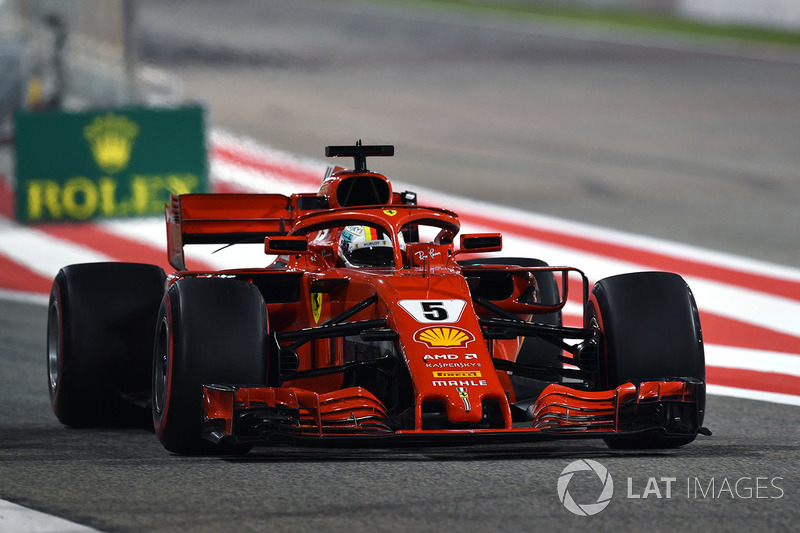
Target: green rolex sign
113,163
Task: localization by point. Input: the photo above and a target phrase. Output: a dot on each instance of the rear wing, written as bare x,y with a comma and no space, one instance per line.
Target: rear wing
225,219
239,218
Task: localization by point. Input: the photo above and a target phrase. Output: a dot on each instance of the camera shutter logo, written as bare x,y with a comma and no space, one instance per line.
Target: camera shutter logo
586,509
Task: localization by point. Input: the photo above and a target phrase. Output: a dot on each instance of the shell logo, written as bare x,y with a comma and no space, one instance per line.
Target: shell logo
439,337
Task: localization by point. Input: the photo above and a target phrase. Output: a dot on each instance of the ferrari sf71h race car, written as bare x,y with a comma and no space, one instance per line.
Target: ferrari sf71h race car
369,326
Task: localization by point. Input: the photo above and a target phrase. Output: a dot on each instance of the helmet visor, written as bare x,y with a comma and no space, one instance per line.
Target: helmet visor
374,256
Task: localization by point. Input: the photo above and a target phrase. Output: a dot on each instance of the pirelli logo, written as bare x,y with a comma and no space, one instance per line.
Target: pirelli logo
457,374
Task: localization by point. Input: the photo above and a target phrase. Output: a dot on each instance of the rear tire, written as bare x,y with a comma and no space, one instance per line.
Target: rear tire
210,330
650,330
100,325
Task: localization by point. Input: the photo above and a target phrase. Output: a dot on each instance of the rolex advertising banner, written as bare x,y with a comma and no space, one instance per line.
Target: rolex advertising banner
110,163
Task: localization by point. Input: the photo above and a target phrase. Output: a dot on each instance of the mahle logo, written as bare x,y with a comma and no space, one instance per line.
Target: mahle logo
111,138
585,509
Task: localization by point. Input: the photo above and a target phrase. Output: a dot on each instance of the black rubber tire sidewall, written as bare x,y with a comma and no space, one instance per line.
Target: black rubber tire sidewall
650,331
650,328
105,315
217,333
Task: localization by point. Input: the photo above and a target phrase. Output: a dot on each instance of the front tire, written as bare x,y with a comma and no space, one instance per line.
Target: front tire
649,330
209,330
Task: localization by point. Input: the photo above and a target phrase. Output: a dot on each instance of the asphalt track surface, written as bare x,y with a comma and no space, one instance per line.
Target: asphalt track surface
123,480
695,146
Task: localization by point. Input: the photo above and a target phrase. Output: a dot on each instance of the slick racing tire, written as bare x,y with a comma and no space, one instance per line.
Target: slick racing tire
100,325
650,330
209,330
534,350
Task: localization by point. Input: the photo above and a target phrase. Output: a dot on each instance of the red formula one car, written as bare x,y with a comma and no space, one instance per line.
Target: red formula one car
370,326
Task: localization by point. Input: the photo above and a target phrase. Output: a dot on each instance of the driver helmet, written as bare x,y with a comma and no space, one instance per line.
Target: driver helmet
365,246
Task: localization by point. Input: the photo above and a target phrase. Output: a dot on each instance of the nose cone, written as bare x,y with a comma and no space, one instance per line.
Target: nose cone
461,395
442,342
453,376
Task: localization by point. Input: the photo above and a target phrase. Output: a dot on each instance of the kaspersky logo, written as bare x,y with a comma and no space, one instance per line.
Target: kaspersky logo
111,138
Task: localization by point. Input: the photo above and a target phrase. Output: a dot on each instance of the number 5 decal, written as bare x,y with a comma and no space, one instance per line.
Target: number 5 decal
434,311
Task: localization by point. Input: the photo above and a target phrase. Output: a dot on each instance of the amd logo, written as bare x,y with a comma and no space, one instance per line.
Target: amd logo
448,356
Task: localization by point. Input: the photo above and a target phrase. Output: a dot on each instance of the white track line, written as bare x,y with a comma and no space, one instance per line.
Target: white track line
17,519
765,310
754,360
151,231
610,236
245,177
34,298
762,396
41,252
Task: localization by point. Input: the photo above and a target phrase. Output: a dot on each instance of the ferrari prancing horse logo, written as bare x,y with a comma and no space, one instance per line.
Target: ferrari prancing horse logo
316,306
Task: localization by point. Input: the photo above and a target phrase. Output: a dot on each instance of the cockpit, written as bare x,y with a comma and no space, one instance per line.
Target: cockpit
379,237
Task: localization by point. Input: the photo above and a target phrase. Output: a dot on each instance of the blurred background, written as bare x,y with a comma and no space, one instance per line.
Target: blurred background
678,119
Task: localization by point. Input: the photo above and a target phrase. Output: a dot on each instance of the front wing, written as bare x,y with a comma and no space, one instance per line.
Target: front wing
264,415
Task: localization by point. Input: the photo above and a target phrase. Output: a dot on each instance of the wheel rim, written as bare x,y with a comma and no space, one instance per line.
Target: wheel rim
161,368
594,324
53,345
